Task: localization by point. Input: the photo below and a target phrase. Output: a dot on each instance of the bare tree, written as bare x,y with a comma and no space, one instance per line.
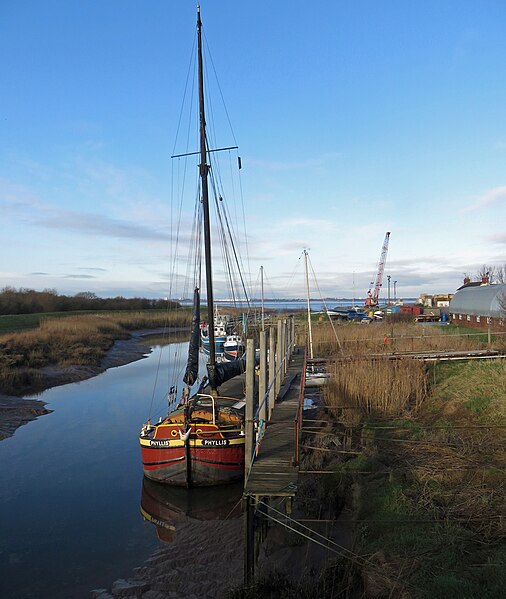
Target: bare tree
500,274
487,272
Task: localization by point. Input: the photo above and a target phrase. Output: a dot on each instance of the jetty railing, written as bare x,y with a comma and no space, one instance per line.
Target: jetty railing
272,372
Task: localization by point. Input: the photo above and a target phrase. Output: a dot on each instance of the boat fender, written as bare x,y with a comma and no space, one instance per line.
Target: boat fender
184,436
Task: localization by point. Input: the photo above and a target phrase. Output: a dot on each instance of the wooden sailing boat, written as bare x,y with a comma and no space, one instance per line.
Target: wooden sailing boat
202,441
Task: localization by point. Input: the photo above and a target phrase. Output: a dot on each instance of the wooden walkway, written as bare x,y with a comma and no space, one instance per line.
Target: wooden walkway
273,473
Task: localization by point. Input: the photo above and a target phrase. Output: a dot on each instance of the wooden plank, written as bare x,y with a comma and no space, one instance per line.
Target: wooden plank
273,473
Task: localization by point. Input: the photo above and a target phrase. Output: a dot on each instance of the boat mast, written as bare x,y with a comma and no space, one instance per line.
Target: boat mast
308,309
204,171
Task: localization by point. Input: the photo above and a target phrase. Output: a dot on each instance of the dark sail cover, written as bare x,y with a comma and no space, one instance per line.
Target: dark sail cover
225,371
192,366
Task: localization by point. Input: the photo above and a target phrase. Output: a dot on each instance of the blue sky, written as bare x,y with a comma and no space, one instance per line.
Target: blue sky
353,119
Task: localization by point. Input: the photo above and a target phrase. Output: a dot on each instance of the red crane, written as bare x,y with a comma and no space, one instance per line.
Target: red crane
372,296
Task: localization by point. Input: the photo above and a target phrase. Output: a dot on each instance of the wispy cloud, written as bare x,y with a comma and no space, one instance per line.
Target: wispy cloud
499,238
92,269
79,277
99,224
492,196
41,214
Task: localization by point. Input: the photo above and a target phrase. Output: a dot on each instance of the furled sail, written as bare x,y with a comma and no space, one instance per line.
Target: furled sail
192,366
225,371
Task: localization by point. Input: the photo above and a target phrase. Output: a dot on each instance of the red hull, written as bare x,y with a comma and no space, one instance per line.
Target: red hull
207,458
208,465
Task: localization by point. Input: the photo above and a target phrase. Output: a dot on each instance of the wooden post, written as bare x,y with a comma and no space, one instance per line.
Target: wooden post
293,333
262,379
284,346
250,406
272,370
279,356
249,545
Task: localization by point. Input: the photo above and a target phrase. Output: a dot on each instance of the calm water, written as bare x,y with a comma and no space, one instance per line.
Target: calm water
71,484
316,305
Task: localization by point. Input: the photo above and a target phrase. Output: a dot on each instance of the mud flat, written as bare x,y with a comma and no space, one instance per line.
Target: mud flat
16,411
202,562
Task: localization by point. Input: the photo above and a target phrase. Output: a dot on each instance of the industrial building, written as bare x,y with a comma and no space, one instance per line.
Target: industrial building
479,305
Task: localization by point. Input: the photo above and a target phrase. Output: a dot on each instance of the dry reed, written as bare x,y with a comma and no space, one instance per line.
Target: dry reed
377,386
73,340
358,340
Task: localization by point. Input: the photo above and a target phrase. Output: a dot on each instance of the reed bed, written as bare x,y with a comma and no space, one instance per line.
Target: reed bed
427,451
80,340
377,386
352,339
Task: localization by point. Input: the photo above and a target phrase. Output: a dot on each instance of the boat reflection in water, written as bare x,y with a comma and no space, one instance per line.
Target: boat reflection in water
170,507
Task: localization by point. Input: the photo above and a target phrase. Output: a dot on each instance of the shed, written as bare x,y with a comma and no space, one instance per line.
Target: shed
479,305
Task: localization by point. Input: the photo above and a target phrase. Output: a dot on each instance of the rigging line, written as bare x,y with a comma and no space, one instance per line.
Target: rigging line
292,276
235,244
237,260
246,242
354,557
192,61
221,209
217,164
218,176
222,237
325,305
219,87
232,182
283,515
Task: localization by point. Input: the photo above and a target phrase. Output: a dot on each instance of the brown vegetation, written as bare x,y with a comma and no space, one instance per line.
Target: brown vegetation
74,340
418,452
352,339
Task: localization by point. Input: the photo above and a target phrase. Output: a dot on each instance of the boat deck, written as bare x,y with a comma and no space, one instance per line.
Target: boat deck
273,473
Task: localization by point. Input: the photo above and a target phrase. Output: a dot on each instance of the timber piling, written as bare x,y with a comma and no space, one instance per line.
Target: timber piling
271,467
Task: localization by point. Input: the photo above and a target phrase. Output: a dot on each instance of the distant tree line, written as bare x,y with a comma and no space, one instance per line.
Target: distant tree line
29,301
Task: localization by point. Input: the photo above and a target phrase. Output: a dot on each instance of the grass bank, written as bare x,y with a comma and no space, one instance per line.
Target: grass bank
75,340
427,478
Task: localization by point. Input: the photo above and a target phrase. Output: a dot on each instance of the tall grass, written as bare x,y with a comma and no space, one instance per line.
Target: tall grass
74,340
434,446
377,386
358,340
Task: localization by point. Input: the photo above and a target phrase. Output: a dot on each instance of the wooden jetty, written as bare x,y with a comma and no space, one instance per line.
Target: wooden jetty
274,472
271,468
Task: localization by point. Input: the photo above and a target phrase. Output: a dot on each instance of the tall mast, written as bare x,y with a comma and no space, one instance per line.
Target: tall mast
308,309
204,170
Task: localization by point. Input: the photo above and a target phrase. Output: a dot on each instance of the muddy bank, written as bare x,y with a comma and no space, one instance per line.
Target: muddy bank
203,561
16,411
